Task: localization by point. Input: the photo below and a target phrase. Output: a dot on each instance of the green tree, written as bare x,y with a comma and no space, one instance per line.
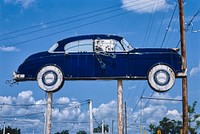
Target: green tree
99,129
11,130
194,123
81,132
168,126
63,132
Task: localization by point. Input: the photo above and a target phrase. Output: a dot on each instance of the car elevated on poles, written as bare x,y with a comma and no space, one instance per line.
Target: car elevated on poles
101,57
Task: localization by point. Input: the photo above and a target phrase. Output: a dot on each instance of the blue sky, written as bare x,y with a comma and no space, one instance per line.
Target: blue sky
142,22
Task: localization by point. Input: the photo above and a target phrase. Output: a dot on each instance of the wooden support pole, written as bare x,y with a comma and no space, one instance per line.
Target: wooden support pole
184,80
48,113
120,108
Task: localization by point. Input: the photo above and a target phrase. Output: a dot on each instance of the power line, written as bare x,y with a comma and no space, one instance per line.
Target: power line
137,103
96,120
139,99
20,105
69,22
150,23
19,116
75,105
141,111
188,25
144,106
132,93
168,26
71,122
190,22
159,28
155,98
63,19
153,92
86,24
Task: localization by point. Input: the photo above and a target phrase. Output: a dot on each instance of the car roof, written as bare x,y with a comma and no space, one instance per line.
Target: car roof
65,41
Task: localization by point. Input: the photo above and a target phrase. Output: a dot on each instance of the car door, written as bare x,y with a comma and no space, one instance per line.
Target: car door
79,59
111,60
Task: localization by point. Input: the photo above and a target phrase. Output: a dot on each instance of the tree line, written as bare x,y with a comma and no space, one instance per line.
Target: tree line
170,126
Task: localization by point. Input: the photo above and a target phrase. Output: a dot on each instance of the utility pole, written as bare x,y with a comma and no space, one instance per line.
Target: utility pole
112,126
48,113
102,127
120,108
184,80
91,119
4,128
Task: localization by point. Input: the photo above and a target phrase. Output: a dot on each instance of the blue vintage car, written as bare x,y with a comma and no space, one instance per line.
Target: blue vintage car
101,57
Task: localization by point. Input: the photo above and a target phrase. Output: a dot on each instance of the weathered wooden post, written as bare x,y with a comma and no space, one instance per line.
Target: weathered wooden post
120,108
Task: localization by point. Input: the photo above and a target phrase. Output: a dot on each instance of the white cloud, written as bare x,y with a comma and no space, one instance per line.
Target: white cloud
174,114
165,96
8,49
24,3
154,113
66,114
63,100
25,97
70,110
6,100
145,6
40,102
195,70
106,110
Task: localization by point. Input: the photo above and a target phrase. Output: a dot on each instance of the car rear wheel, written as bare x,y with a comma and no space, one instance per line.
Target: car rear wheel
50,78
161,78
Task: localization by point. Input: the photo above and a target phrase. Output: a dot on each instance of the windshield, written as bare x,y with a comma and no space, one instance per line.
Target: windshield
126,45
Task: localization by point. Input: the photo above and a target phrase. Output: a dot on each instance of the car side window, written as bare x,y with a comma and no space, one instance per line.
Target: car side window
107,45
79,46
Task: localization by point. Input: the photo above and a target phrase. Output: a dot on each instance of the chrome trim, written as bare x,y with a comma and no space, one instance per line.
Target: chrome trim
176,49
182,74
18,76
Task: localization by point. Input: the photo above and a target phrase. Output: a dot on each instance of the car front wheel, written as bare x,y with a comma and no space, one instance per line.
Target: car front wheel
161,78
50,78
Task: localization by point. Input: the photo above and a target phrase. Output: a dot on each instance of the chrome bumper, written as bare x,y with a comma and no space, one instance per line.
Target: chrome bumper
18,76
182,74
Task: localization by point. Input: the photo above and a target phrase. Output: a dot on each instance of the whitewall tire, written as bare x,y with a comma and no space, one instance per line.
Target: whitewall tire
161,78
50,78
